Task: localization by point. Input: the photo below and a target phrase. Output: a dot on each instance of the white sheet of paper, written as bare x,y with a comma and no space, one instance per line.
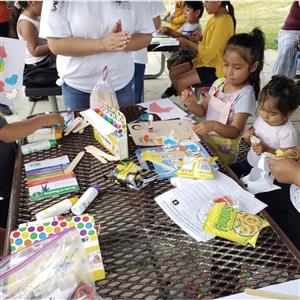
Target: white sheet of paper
290,287
260,180
12,59
184,203
173,112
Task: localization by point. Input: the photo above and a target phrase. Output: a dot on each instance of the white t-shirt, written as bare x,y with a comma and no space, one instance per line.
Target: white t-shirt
29,58
276,137
188,28
95,20
153,10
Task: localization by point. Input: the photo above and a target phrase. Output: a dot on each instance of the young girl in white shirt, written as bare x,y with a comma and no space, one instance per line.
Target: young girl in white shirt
278,100
40,63
231,100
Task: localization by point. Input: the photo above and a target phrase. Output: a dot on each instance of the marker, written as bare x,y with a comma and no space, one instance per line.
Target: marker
150,123
86,199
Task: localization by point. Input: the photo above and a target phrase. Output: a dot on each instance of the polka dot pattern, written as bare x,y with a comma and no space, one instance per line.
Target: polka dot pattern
27,235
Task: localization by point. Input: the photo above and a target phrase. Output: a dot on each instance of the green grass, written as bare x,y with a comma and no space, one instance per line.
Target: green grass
266,14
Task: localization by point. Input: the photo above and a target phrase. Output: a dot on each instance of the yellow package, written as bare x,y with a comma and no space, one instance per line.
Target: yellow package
197,168
234,225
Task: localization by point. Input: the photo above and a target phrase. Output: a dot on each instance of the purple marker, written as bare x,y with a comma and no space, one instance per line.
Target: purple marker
86,199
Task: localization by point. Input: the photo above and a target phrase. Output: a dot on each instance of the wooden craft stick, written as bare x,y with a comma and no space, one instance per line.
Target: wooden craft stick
267,294
72,126
74,163
103,154
96,155
77,126
81,127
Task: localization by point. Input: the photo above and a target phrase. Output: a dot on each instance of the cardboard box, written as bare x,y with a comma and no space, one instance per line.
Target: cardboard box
110,129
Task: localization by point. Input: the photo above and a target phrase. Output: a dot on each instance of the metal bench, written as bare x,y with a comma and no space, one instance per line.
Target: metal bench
50,91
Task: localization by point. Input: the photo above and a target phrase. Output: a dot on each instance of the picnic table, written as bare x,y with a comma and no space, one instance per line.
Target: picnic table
145,254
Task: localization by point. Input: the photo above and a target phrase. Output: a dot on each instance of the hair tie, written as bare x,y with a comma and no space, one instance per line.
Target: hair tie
17,5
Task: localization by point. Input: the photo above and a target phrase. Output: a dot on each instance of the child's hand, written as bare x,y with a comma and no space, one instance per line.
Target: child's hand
164,30
184,43
248,133
196,36
188,98
52,119
204,127
258,148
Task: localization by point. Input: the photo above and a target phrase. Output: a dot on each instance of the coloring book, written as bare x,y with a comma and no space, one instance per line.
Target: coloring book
12,60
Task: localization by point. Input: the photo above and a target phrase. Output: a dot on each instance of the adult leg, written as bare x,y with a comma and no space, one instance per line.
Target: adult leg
138,83
286,61
125,95
75,99
186,80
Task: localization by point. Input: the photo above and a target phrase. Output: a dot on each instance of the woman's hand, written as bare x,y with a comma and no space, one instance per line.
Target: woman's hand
116,41
196,36
285,170
204,127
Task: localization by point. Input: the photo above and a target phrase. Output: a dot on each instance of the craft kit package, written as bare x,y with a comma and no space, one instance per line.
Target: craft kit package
103,92
28,233
110,129
54,268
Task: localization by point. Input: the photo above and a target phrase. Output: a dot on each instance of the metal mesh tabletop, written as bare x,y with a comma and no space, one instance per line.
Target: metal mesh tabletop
146,255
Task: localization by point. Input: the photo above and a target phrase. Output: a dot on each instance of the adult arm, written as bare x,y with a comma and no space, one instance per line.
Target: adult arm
285,170
138,41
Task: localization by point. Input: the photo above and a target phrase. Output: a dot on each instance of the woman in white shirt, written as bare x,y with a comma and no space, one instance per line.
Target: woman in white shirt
284,204
86,36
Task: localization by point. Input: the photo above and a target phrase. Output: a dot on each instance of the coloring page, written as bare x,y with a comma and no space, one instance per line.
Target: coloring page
12,60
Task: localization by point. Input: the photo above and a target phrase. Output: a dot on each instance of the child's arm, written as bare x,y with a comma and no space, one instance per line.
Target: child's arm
18,130
189,99
186,43
31,36
231,131
248,134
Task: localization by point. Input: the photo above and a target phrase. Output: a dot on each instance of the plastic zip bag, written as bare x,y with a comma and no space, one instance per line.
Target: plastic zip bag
54,268
103,92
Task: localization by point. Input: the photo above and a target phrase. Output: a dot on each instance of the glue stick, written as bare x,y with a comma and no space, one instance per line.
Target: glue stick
56,209
38,146
150,123
85,200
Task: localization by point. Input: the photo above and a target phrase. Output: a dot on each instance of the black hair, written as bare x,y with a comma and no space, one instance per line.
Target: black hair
16,11
230,10
285,91
251,47
195,5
